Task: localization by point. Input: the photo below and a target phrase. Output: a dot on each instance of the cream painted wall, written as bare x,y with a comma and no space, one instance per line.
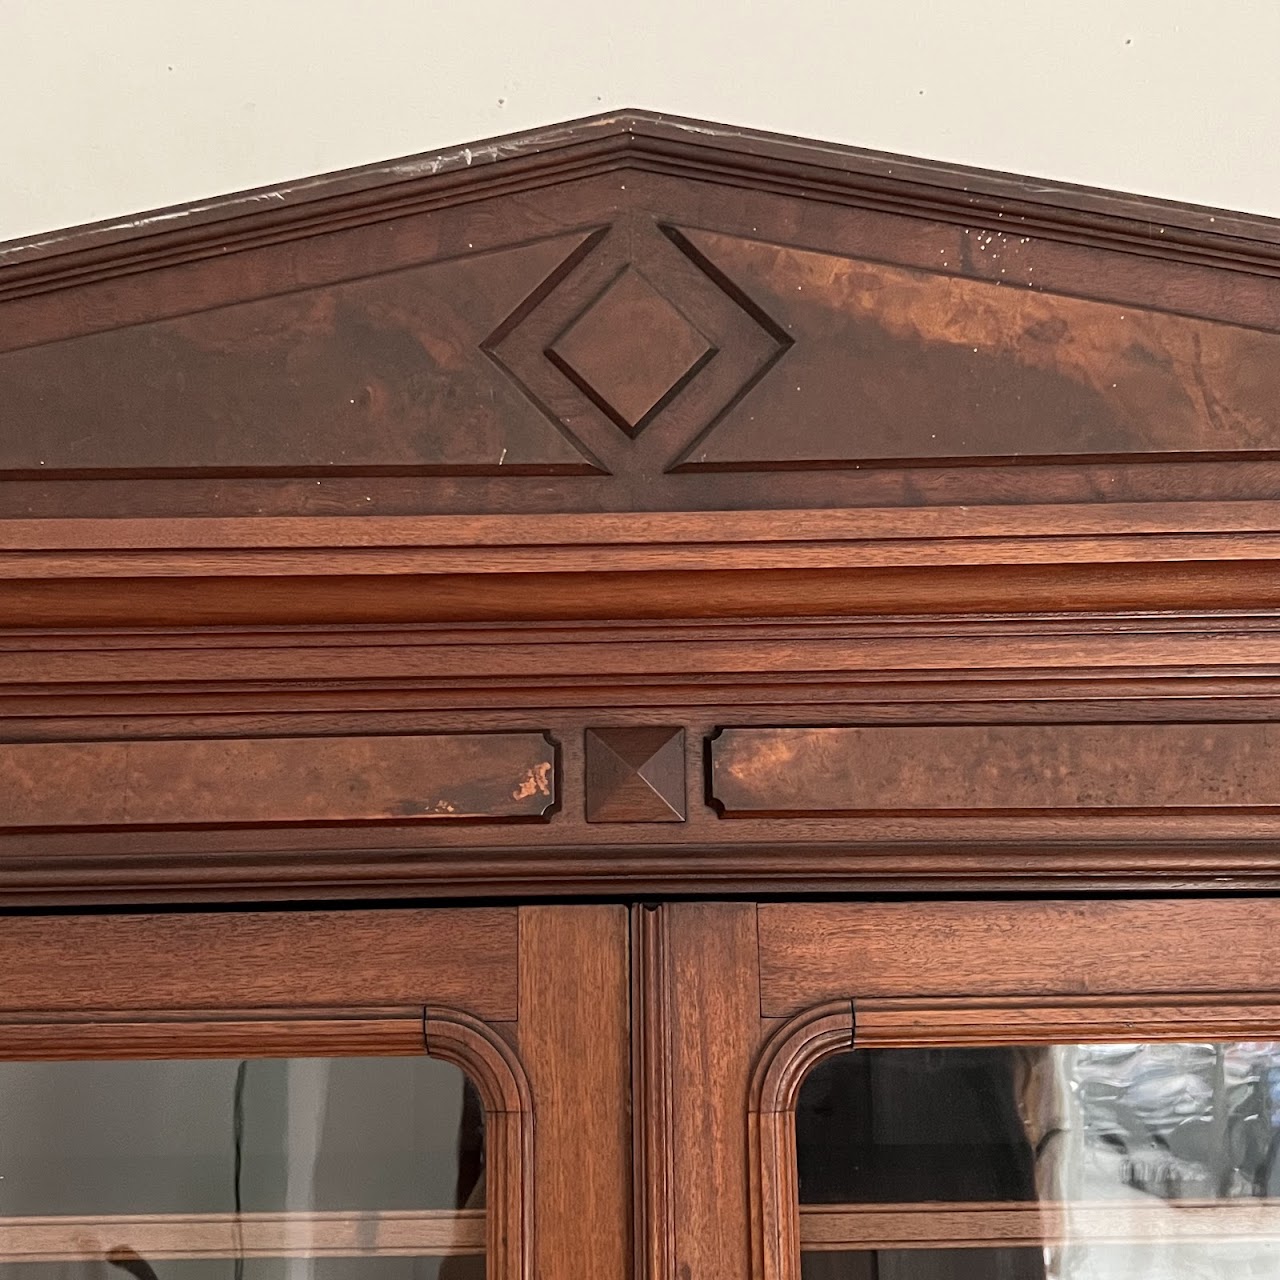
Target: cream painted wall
116,106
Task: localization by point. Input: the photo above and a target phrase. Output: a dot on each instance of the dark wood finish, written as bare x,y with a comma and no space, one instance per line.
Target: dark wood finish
495,777
397,599
940,365
787,1057
341,381
219,1033
640,426
253,984
1163,676
498,523
653,1082
994,768
898,1022
635,774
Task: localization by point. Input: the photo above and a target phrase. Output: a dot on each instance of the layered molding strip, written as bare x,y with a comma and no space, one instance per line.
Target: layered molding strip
498,777
994,769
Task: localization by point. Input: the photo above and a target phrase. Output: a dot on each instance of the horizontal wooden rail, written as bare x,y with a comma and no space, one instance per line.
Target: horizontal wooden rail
369,1233
980,1225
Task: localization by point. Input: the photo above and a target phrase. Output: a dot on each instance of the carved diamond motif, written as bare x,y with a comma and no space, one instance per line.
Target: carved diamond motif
631,351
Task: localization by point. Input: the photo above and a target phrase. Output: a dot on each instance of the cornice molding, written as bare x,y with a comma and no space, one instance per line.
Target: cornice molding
637,139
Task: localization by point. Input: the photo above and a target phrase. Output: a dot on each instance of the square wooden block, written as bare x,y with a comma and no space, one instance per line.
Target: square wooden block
635,774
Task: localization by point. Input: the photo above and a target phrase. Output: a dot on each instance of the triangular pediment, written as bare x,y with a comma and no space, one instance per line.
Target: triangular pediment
637,312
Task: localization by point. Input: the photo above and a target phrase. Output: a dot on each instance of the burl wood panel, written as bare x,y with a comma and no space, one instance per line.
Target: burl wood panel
185,782
890,363
243,960
995,768
389,373
421,370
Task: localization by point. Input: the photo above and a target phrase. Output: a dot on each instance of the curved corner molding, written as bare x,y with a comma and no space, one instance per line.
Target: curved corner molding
793,1050
494,777
500,1080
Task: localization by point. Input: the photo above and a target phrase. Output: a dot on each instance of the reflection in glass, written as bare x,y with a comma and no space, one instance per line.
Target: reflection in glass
268,1169
1111,1162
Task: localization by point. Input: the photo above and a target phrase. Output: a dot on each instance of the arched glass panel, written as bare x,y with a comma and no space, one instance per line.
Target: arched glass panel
1066,1162
261,1169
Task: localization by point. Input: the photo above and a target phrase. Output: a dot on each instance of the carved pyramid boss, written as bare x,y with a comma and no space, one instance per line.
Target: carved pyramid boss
635,774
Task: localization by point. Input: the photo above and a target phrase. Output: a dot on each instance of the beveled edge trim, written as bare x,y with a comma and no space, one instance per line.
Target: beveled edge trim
795,1049
838,1228
837,539
503,1085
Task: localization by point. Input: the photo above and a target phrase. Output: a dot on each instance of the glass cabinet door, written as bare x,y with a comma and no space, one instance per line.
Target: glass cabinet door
964,1090
289,1168
1110,1161
316,1095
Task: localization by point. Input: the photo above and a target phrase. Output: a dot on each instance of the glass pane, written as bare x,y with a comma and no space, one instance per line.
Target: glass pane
297,1169
1100,1161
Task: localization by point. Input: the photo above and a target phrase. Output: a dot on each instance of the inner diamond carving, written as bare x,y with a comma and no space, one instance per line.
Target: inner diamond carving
631,351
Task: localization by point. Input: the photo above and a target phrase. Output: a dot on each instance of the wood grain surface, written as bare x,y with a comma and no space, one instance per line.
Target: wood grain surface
574,1040
247,960
812,953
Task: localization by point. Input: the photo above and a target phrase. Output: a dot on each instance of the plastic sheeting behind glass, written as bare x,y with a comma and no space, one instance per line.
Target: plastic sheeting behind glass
1107,1162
